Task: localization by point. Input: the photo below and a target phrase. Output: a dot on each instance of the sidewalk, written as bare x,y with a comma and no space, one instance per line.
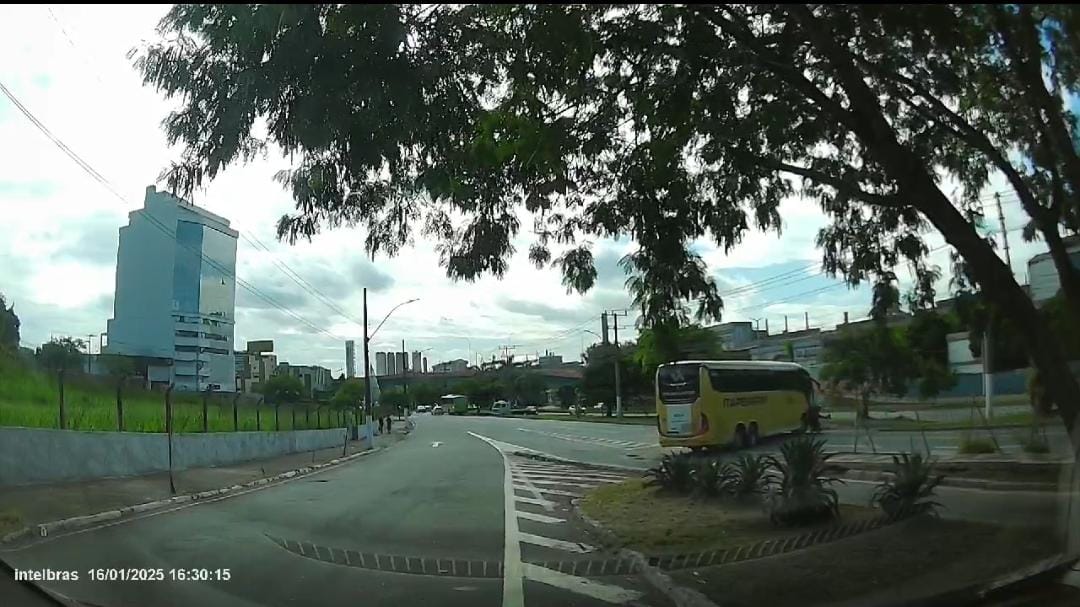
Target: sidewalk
33,504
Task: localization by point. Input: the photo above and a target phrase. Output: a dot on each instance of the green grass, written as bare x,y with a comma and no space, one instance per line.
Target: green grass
970,445
637,420
651,521
998,421
31,399
10,520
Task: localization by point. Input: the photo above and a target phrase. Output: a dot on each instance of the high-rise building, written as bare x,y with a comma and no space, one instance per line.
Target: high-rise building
391,363
425,364
175,294
416,364
380,363
402,362
350,358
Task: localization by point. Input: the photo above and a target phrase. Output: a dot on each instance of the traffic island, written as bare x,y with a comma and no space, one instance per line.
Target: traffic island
730,552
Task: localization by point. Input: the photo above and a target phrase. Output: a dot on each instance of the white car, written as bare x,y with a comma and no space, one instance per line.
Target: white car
422,408
437,410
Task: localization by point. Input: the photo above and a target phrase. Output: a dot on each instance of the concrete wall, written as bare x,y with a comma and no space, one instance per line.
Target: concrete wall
37,455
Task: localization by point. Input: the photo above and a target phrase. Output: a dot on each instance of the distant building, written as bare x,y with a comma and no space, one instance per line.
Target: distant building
380,363
391,363
255,366
549,359
805,345
175,294
1042,274
734,335
458,365
425,365
350,358
314,377
402,362
416,365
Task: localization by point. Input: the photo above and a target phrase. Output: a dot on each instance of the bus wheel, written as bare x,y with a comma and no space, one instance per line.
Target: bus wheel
739,440
752,437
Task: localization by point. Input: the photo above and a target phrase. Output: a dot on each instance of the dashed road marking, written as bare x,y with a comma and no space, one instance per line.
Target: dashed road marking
539,518
608,593
539,540
549,491
595,440
532,500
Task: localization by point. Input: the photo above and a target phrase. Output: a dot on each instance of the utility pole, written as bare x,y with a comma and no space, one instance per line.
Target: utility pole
405,371
987,348
367,388
618,373
89,337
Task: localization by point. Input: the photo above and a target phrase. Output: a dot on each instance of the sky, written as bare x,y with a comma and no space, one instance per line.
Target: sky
68,65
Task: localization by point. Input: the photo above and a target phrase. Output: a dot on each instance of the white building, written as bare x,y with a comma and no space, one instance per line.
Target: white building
380,363
458,365
1042,274
391,363
350,359
416,363
175,293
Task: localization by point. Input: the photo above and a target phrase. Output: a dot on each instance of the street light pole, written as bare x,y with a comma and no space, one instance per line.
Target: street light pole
367,388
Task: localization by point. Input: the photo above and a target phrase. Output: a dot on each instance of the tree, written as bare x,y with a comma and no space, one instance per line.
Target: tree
667,341
119,368
567,396
61,354
350,394
283,389
9,327
663,123
598,381
875,360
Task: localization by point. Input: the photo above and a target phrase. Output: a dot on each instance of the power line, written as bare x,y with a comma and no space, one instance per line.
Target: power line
93,173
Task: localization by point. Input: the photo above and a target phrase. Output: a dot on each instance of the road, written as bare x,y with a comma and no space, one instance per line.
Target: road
424,521
454,515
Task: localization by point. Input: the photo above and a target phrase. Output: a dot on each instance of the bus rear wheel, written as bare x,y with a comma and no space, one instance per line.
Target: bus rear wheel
739,440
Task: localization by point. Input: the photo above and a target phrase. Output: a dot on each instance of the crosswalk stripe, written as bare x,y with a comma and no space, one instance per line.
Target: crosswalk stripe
583,477
565,483
534,501
539,518
549,542
552,491
609,593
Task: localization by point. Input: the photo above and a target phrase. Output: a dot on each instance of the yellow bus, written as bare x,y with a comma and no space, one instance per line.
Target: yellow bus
703,404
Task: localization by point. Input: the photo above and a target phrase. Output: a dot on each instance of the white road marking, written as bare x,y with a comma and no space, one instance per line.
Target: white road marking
535,501
436,444
565,483
513,585
539,518
540,540
570,474
551,491
596,440
603,592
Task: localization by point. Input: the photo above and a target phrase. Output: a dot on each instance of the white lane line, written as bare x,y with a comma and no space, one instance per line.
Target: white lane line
564,483
513,572
535,502
571,474
551,491
602,592
595,440
540,540
539,518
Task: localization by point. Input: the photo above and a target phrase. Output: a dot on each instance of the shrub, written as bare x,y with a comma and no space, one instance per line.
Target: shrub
975,445
1035,444
746,477
804,494
708,476
673,473
909,491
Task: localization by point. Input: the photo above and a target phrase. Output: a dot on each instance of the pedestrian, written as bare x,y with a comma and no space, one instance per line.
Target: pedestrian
389,423
380,425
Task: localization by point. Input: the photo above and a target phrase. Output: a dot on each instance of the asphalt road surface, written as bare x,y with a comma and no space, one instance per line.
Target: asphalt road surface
454,515
449,516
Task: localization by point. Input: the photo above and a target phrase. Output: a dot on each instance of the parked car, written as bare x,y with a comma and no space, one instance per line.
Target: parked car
438,410
501,407
530,410
422,408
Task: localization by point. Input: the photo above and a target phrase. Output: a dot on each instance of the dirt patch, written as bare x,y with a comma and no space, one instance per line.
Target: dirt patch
653,522
10,520
897,563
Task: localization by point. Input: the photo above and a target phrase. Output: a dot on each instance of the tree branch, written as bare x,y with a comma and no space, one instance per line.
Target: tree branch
841,184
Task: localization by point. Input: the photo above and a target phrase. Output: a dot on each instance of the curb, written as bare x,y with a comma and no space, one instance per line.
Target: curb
962,482
89,520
